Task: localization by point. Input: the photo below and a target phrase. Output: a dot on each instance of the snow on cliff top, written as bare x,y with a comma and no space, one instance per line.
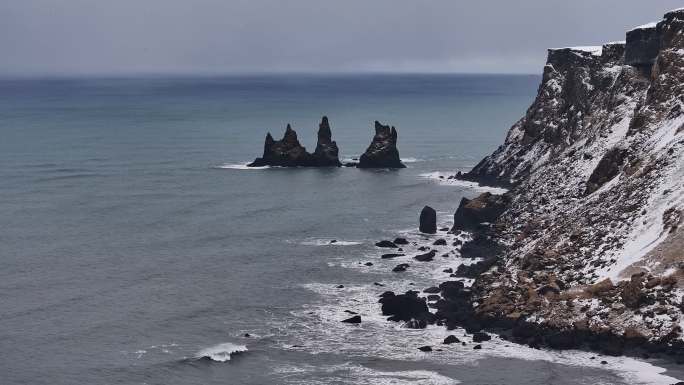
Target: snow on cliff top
650,25
593,49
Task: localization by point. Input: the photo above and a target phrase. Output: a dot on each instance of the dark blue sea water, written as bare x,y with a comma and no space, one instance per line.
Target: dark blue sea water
133,241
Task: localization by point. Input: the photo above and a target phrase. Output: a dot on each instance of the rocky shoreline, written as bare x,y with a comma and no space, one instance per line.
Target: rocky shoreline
585,250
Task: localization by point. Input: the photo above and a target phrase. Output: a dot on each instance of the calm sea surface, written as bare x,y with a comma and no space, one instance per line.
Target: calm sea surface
133,241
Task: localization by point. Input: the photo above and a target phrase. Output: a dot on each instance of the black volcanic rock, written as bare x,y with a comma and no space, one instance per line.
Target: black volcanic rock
427,257
353,320
386,244
607,169
451,339
481,337
428,220
405,307
326,153
391,255
288,152
642,46
487,207
382,152
400,267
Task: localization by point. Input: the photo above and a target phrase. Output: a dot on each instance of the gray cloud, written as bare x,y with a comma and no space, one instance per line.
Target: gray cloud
212,36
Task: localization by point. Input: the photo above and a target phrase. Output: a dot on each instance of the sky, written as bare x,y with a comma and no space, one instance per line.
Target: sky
84,37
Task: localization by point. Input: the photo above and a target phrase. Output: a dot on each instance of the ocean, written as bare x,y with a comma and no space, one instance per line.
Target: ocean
137,248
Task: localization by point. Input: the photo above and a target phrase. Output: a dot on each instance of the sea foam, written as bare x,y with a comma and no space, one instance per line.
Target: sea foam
239,166
442,178
221,352
329,242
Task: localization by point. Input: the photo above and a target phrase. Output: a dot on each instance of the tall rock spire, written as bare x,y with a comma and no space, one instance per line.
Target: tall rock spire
326,153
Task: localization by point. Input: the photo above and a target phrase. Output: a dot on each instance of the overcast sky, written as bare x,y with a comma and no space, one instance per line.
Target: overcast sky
212,36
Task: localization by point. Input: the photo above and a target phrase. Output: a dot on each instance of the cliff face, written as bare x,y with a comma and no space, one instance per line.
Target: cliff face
596,169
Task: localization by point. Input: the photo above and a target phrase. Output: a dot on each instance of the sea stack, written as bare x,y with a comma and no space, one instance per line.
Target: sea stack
428,220
326,153
382,152
288,152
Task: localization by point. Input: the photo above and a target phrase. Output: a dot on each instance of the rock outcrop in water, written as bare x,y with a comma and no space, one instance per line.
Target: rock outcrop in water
382,152
288,152
593,246
428,220
326,153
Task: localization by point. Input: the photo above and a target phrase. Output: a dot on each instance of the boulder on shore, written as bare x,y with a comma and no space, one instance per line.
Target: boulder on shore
427,257
405,307
428,220
386,244
353,320
400,267
451,339
486,208
382,152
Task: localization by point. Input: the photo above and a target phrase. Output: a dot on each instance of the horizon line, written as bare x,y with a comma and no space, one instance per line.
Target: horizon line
162,74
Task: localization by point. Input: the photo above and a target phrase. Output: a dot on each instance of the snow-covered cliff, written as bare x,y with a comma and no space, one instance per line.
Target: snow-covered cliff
594,232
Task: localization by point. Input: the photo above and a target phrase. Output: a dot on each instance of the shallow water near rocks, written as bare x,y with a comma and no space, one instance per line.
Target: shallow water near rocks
134,242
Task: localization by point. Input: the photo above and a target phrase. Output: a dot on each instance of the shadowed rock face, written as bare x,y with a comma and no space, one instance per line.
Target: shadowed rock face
607,169
288,152
382,152
326,153
643,46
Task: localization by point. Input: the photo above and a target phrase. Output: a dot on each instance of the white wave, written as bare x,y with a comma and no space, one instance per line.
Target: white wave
442,178
239,166
349,373
318,329
221,352
328,242
411,160
403,160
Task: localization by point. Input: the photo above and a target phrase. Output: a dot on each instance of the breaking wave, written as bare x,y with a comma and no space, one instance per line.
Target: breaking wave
329,242
239,166
442,178
221,352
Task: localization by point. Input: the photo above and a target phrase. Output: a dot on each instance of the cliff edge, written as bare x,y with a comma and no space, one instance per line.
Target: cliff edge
592,230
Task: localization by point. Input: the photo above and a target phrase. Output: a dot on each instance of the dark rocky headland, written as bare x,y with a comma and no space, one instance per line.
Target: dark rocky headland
586,249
